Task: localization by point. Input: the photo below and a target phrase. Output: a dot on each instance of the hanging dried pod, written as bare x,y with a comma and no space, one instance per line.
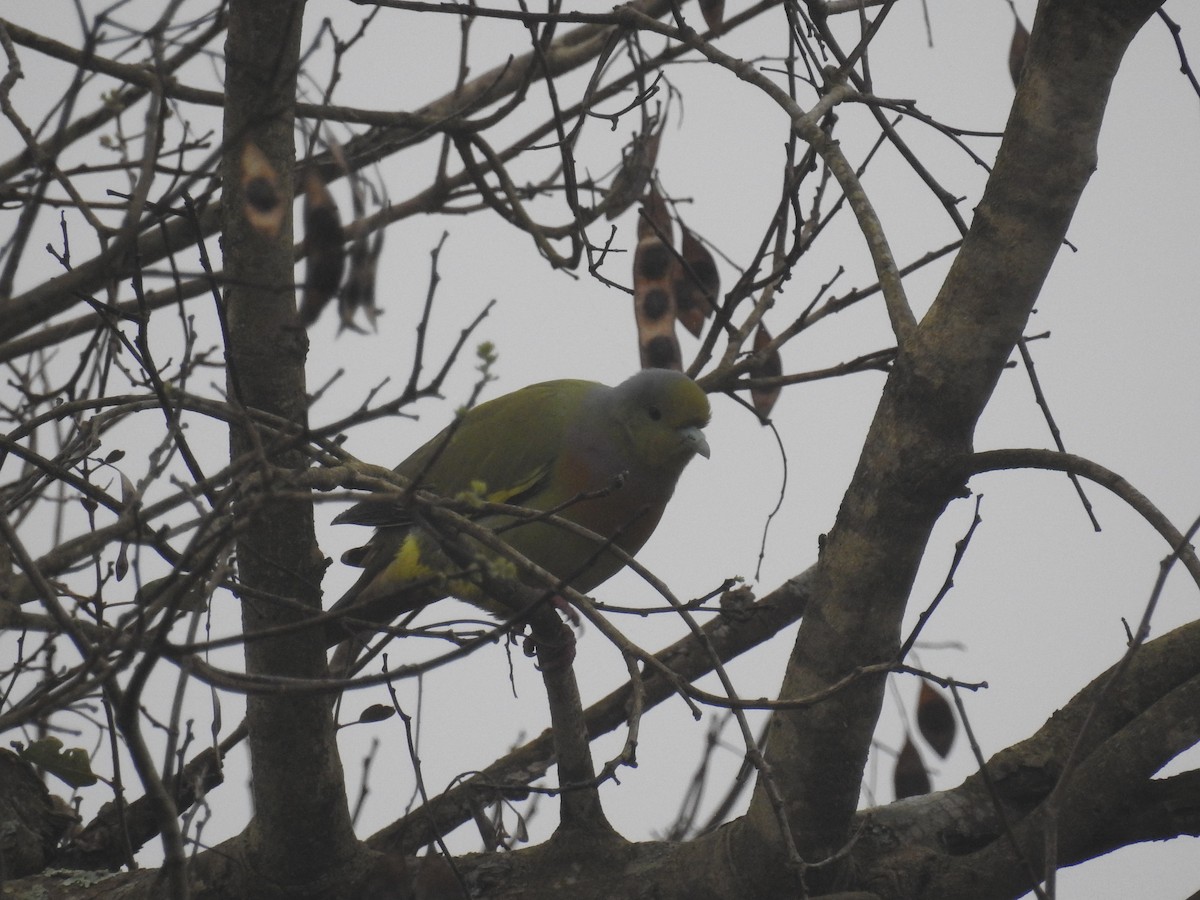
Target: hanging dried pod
324,246
359,290
696,284
935,719
653,296
637,165
713,12
910,779
770,366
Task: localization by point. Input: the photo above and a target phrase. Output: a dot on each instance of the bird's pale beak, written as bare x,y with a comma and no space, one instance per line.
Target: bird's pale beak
693,438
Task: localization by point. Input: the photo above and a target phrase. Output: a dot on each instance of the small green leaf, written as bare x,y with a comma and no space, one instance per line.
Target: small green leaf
71,765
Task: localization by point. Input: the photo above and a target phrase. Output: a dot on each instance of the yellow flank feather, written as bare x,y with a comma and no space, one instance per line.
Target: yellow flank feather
418,560
407,565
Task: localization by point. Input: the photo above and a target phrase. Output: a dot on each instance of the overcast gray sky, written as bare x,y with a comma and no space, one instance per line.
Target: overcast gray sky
1038,603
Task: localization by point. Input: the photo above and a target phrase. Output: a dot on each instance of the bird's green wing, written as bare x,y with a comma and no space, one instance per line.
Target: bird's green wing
502,451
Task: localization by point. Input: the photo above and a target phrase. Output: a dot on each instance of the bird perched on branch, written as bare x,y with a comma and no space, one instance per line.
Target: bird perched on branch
605,458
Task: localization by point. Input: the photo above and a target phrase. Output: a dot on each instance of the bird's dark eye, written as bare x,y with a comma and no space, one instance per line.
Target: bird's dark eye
655,413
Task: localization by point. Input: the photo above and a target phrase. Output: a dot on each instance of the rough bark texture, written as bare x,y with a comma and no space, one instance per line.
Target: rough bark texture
301,834
942,380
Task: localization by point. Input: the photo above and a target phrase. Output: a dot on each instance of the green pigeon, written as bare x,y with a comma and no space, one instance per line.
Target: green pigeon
606,458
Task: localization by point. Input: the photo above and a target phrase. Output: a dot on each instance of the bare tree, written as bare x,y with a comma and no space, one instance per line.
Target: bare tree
163,454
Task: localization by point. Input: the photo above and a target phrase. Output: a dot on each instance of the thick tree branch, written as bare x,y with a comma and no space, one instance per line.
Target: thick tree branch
301,834
953,843
942,380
